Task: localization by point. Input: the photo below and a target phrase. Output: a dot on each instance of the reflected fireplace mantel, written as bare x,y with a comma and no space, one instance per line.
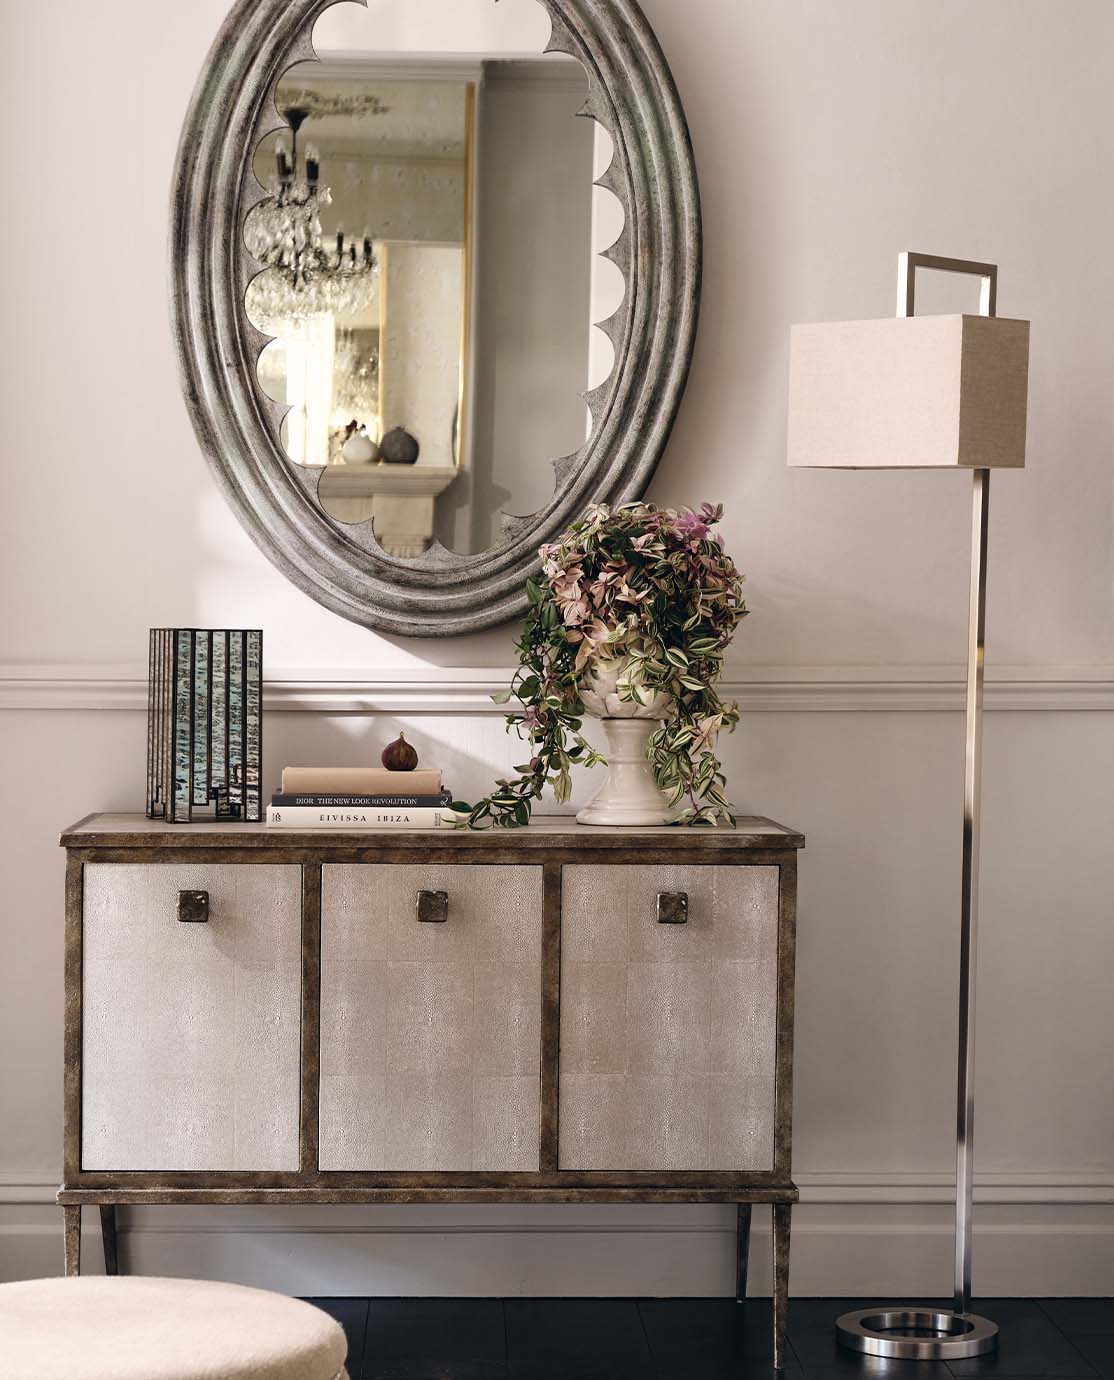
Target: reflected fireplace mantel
400,499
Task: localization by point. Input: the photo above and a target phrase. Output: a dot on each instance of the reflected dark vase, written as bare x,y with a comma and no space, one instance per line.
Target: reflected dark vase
398,447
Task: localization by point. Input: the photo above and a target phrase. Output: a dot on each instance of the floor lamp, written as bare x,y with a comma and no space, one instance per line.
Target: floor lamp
929,392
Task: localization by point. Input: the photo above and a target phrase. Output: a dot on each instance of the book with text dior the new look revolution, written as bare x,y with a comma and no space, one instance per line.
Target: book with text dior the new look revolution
363,802
354,817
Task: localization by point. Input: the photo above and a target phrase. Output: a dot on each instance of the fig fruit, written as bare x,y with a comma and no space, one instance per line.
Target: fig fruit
400,756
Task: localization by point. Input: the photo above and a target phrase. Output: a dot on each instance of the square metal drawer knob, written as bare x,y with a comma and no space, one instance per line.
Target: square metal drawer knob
433,907
193,907
673,908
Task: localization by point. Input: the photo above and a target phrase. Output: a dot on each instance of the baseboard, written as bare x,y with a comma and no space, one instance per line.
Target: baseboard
1055,1247
861,1262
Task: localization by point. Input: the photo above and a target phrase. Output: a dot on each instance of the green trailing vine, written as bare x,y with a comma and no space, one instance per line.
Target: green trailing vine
649,588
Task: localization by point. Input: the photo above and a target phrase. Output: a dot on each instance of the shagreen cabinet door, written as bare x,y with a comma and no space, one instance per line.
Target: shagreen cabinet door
191,1031
430,1017
668,1019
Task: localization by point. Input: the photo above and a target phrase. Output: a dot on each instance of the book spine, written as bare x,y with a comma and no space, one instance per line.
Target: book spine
363,802
303,817
359,781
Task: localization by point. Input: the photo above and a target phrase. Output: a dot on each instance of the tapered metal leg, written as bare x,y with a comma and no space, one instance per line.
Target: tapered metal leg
71,1231
109,1239
783,1219
742,1251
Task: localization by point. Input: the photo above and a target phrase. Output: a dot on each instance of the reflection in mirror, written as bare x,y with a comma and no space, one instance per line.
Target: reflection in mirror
430,276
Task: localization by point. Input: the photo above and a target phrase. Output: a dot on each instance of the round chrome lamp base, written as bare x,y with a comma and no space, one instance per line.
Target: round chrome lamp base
916,1334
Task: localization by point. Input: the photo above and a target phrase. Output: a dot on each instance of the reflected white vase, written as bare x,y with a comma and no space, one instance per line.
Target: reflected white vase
360,450
630,796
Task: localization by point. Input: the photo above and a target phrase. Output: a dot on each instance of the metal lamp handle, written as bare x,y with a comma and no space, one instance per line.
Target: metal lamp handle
908,263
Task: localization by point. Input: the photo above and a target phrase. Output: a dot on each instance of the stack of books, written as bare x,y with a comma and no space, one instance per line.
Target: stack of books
334,798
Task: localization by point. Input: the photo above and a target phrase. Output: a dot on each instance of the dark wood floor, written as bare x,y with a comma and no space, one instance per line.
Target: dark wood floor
689,1339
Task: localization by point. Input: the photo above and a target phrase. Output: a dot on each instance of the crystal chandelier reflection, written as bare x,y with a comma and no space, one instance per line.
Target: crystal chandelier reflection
302,278
356,379
355,391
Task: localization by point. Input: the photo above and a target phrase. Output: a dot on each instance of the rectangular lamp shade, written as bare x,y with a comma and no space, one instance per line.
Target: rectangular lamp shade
917,392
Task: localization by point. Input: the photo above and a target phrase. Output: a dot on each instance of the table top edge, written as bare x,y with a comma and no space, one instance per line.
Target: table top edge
545,834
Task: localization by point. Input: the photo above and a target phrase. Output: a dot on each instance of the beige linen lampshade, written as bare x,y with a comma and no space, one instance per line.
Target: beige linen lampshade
917,392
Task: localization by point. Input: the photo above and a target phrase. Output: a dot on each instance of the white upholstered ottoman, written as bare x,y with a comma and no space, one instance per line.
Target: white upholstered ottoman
162,1329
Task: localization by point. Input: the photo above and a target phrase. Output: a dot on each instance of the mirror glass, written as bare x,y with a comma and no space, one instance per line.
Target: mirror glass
431,274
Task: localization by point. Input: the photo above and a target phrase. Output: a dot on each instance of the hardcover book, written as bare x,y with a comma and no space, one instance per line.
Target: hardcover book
364,802
352,817
368,781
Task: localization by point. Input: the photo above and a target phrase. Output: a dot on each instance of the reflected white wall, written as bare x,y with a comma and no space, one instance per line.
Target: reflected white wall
534,287
511,28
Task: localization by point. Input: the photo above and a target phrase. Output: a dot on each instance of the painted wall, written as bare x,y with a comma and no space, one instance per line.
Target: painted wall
828,138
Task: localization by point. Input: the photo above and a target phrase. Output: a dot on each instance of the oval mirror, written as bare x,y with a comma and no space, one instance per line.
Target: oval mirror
436,273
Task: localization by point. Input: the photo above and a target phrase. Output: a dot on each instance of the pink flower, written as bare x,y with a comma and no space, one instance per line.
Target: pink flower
691,526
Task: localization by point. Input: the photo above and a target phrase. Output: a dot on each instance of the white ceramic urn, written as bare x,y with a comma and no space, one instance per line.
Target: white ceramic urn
360,449
630,796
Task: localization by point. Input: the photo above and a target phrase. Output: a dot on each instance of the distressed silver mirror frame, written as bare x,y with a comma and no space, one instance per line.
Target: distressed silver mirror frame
633,95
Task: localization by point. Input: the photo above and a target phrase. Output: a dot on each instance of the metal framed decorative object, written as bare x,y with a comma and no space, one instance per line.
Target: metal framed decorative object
443,592
205,724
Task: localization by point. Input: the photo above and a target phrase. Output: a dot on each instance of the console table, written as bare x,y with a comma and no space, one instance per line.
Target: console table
556,1014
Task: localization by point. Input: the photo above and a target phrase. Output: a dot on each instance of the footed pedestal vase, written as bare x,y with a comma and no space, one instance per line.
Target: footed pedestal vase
630,796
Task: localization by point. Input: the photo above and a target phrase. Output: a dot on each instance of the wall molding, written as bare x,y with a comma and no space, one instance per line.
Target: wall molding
648,1251
449,690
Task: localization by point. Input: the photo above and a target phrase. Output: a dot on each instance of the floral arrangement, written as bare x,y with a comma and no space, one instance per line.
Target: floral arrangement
653,589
